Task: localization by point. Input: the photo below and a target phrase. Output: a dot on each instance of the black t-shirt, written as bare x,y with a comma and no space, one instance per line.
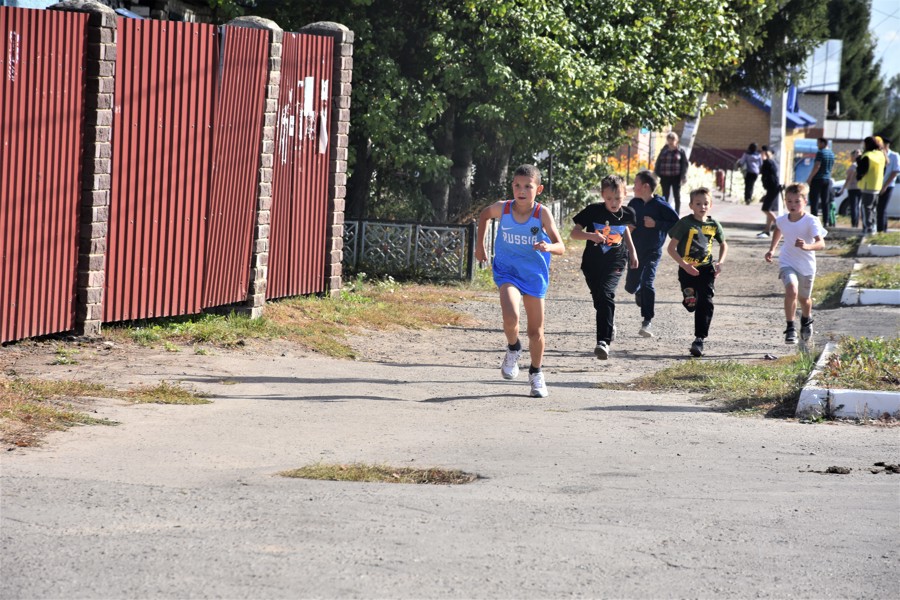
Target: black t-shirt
613,254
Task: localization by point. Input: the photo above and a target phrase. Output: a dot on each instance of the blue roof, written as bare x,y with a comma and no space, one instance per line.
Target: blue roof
794,119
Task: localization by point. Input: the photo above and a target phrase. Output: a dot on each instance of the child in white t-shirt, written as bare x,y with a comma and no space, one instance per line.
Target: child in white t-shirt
803,234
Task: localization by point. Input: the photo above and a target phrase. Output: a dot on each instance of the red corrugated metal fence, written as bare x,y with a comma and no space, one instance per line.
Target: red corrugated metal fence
41,116
240,104
162,126
299,226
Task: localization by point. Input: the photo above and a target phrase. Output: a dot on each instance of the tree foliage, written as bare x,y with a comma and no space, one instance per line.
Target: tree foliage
861,96
448,94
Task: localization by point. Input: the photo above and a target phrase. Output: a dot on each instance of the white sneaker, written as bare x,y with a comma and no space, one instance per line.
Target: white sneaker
601,350
510,367
538,387
646,329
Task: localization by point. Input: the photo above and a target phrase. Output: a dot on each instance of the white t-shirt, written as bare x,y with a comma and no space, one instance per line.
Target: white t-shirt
892,164
806,228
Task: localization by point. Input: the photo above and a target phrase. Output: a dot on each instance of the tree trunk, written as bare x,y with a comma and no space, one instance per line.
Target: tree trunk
438,190
358,185
490,175
689,133
460,197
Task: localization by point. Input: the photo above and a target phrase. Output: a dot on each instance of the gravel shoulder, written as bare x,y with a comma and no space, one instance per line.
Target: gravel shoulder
592,492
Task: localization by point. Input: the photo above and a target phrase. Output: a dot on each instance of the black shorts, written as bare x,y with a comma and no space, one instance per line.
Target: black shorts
770,201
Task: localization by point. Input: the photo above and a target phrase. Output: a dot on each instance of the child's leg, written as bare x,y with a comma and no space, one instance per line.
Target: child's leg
706,289
534,308
804,295
791,286
509,305
603,284
648,288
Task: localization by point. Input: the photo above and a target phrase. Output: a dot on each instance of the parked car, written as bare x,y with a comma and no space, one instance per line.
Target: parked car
843,207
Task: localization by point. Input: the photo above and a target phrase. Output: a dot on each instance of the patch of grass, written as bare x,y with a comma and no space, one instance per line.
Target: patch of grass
863,364
879,277
64,356
380,474
828,288
30,408
165,393
322,324
844,247
885,238
772,387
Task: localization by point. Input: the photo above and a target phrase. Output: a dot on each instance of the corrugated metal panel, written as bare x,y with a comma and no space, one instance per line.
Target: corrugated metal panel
237,134
299,228
165,74
41,103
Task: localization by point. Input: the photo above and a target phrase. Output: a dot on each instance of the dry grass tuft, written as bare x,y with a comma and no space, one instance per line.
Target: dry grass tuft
380,474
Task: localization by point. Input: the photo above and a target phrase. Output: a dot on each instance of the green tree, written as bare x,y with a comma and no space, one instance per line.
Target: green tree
861,96
447,94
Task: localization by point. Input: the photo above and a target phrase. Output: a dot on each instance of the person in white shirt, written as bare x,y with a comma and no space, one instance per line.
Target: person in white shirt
803,235
891,170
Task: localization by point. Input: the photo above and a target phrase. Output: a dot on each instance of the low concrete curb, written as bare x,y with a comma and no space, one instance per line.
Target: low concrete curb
866,249
854,295
816,401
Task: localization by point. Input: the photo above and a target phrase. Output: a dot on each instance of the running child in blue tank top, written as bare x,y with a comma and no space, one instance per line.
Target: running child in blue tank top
526,238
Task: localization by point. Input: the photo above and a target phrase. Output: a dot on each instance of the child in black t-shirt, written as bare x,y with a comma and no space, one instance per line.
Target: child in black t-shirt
605,229
691,247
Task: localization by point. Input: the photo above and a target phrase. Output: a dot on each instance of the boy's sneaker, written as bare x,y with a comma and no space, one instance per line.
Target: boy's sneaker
806,331
538,387
601,350
646,329
762,234
510,367
697,348
790,336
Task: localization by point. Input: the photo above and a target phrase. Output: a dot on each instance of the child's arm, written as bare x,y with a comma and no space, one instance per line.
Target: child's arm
632,253
490,212
578,233
556,245
723,252
818,244
776,237
672,249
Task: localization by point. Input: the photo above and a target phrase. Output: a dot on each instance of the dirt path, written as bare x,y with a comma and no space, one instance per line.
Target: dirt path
592,492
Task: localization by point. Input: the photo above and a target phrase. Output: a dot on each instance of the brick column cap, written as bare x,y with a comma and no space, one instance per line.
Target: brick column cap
254,23
341,33
87,6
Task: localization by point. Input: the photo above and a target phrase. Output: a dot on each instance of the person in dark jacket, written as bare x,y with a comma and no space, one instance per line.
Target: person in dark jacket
671,168
768,172
653,219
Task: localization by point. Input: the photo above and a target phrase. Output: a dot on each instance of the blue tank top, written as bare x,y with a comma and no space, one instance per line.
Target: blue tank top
515,260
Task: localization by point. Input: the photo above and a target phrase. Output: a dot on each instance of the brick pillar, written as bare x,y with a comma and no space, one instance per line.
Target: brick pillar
256,297
96,184
341,77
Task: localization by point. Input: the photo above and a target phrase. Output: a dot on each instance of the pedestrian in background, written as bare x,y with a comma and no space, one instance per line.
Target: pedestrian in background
851,185
750,163
772,184
891,170
819,182
671,168
870,175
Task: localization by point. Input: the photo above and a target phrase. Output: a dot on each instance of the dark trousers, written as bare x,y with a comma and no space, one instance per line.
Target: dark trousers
640,281
820,197
869,202
883,199
749,182
603,283
674,184
853,200
704,286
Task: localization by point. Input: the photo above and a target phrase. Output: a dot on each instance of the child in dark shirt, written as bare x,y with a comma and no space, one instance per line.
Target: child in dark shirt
654,217
605,229
691,247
